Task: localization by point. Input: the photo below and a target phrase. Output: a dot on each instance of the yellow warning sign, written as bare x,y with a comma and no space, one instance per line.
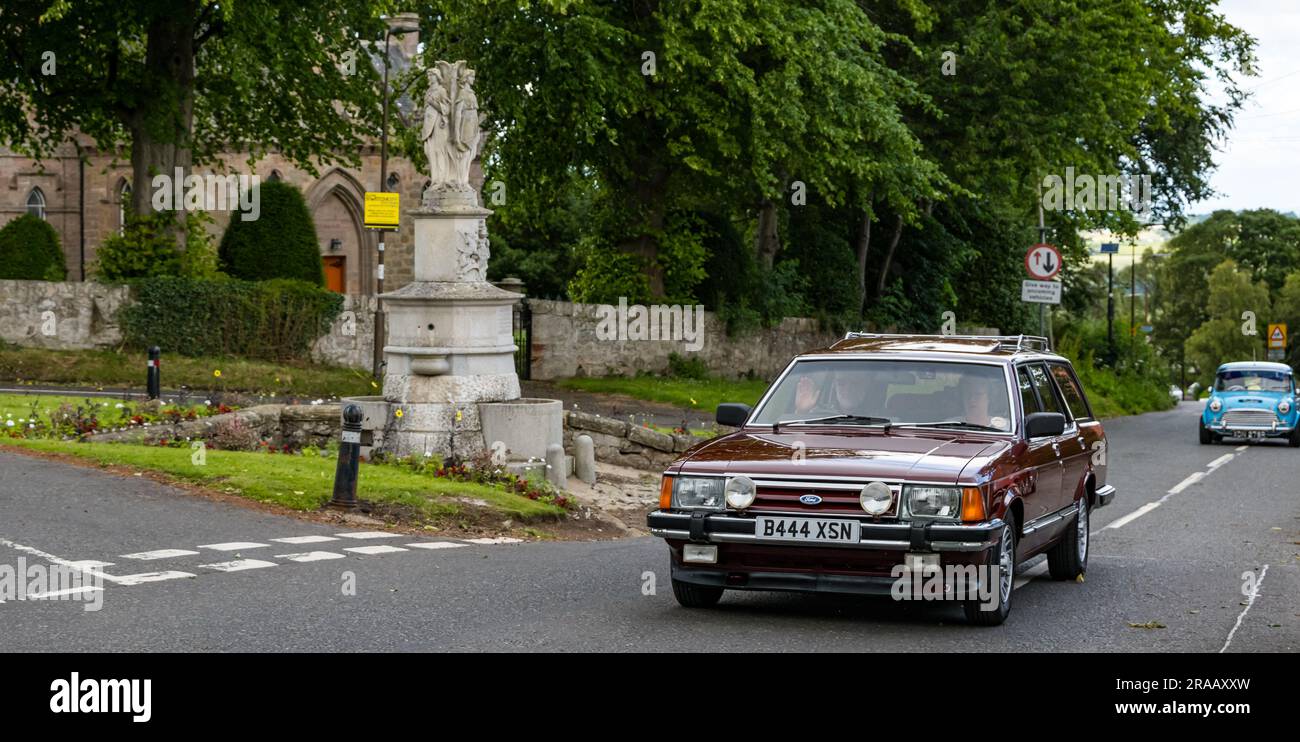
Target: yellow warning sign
1277,337
382,210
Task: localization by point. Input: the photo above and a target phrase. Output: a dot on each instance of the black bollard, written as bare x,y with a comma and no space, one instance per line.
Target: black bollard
154,380
345,473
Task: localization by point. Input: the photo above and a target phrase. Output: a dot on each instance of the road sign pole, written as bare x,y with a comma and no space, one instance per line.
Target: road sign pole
1110,308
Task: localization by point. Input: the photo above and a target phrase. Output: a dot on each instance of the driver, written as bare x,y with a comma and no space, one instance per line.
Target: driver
977,396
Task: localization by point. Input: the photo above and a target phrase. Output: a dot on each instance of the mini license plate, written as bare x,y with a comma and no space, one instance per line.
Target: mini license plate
819,530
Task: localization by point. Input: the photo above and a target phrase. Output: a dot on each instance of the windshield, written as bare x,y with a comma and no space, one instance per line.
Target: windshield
1252,380
876,391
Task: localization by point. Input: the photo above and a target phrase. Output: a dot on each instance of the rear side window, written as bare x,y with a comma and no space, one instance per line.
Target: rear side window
1045,391
1027,397
1070,390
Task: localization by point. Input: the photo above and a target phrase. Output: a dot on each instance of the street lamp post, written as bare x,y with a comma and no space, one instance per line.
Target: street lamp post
378,359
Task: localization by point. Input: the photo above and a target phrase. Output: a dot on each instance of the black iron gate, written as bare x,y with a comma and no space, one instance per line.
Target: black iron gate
523,335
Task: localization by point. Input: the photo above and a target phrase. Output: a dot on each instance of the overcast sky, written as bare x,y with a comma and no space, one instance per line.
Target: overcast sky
1259,164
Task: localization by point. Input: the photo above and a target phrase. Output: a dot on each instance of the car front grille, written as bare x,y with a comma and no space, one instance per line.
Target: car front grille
1249,418
839,498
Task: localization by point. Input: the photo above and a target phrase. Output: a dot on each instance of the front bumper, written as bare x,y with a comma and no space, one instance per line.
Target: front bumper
1105,494
703,527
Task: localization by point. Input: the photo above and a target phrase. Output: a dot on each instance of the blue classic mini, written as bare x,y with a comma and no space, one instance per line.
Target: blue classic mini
1252,399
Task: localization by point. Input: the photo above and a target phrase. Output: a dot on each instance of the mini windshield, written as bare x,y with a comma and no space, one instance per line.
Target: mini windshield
1252,380
869,392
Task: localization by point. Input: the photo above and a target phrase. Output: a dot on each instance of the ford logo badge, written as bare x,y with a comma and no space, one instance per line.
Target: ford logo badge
810,499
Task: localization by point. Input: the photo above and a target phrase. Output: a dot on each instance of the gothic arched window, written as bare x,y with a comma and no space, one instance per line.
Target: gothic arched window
36,203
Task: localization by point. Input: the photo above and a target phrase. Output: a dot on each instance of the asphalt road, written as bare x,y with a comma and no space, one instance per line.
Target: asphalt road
1179,564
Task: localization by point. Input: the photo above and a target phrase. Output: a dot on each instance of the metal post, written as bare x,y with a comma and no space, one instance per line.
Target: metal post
1110,308
345,472
1132,303
1042,238
153,380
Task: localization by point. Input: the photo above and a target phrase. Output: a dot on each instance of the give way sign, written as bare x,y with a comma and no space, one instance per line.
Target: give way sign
1043,262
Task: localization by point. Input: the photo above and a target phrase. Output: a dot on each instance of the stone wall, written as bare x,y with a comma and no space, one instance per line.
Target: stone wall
620,442
565,344
294,425
62,316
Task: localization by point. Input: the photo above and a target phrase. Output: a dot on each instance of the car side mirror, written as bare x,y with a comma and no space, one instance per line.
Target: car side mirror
733,414
1044,424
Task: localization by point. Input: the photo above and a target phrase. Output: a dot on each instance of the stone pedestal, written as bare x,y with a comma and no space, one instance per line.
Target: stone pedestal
450,343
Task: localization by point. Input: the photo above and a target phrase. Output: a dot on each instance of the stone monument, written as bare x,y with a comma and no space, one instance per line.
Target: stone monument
450,346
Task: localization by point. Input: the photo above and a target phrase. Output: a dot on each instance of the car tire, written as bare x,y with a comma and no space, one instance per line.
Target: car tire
975,613
1068,559
696,596
1293,440
1206,436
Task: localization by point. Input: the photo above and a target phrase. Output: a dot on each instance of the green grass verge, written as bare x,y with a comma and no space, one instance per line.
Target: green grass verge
126,369
694,394
300,482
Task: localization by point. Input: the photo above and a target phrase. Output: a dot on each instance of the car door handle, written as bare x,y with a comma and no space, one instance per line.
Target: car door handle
1057,448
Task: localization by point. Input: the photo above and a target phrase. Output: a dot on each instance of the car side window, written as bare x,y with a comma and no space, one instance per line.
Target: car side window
1070,391
1028,399
1045,392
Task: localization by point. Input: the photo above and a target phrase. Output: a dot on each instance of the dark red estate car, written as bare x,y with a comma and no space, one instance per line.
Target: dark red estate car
887,457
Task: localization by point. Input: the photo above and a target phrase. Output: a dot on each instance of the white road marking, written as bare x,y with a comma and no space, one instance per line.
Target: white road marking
89,564
144,577
312,556
1121,522
370,534
58,593
1038,570
239,565
436,545
160,554
1225,458
374,549
502,540
1242,448
305,539
1191,479
1249,602
233,546
43,555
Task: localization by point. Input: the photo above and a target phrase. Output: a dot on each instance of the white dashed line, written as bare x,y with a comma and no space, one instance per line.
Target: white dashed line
305,539
59,593
374,549
239,565
233,546
160,554
1242,448
1249,602
89,564
502,540
144,577
1121,522
1225,458
1191,479
312,556
436,545
370,534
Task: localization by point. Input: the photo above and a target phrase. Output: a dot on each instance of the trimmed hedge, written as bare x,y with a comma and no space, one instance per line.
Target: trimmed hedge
273,320
280,243
29,250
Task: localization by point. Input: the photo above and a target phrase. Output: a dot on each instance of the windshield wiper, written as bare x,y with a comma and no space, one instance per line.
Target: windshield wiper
951,424
852,419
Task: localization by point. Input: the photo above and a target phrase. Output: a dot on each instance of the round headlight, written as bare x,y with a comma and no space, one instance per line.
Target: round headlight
876,498
1284,407
1215,404
740,492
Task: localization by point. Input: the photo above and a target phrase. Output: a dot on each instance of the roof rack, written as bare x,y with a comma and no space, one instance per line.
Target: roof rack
1004,342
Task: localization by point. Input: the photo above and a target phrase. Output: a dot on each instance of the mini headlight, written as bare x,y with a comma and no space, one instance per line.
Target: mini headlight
1284,407
876,498
934,502
740,492
1215,404
701,493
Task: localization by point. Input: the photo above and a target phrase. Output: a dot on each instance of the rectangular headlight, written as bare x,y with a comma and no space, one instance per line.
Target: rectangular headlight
701,493
933,502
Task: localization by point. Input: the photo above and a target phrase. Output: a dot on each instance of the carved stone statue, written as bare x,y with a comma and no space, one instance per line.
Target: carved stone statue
450,132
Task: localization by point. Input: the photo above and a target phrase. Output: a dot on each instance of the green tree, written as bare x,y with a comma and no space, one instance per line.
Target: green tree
29,250
279,243
180,80
1223,337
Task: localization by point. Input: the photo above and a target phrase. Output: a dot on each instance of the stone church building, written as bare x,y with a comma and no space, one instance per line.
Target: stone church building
83,200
